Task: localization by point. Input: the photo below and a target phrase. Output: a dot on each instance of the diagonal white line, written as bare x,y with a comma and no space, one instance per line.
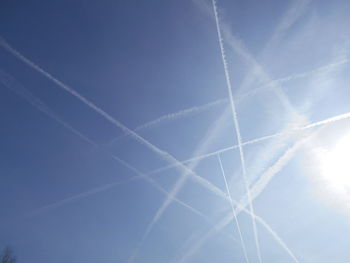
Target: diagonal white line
233,211
237,128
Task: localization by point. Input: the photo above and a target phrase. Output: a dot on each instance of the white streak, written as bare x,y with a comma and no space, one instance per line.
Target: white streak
174,116
16,87
233,211
237,128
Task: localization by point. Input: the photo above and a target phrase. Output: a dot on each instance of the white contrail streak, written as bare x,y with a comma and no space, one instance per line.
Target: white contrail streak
233,211
237,128
203,145
293,13
174,116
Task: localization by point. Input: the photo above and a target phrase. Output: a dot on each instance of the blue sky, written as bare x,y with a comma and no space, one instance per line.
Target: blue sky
116,115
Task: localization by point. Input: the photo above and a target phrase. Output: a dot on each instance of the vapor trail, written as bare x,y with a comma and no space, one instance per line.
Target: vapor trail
174,116
293,13
237,128
233,211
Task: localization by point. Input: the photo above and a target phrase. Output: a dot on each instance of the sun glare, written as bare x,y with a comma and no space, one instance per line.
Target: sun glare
335,166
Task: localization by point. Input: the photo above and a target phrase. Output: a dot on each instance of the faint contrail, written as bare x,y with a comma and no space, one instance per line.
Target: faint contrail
293,13
16,87
237,128
233,210
174,116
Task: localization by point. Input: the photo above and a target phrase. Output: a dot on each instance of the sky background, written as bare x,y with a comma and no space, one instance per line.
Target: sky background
104,106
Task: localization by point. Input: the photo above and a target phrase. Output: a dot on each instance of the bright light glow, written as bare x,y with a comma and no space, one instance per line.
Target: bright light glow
335,167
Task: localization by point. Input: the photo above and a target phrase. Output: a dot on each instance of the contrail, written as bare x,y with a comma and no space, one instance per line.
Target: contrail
237,128
182,180
293,13
16,87
233,210
174,116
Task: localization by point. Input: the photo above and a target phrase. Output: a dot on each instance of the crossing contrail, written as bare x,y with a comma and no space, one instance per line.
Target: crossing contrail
237,128
233,211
